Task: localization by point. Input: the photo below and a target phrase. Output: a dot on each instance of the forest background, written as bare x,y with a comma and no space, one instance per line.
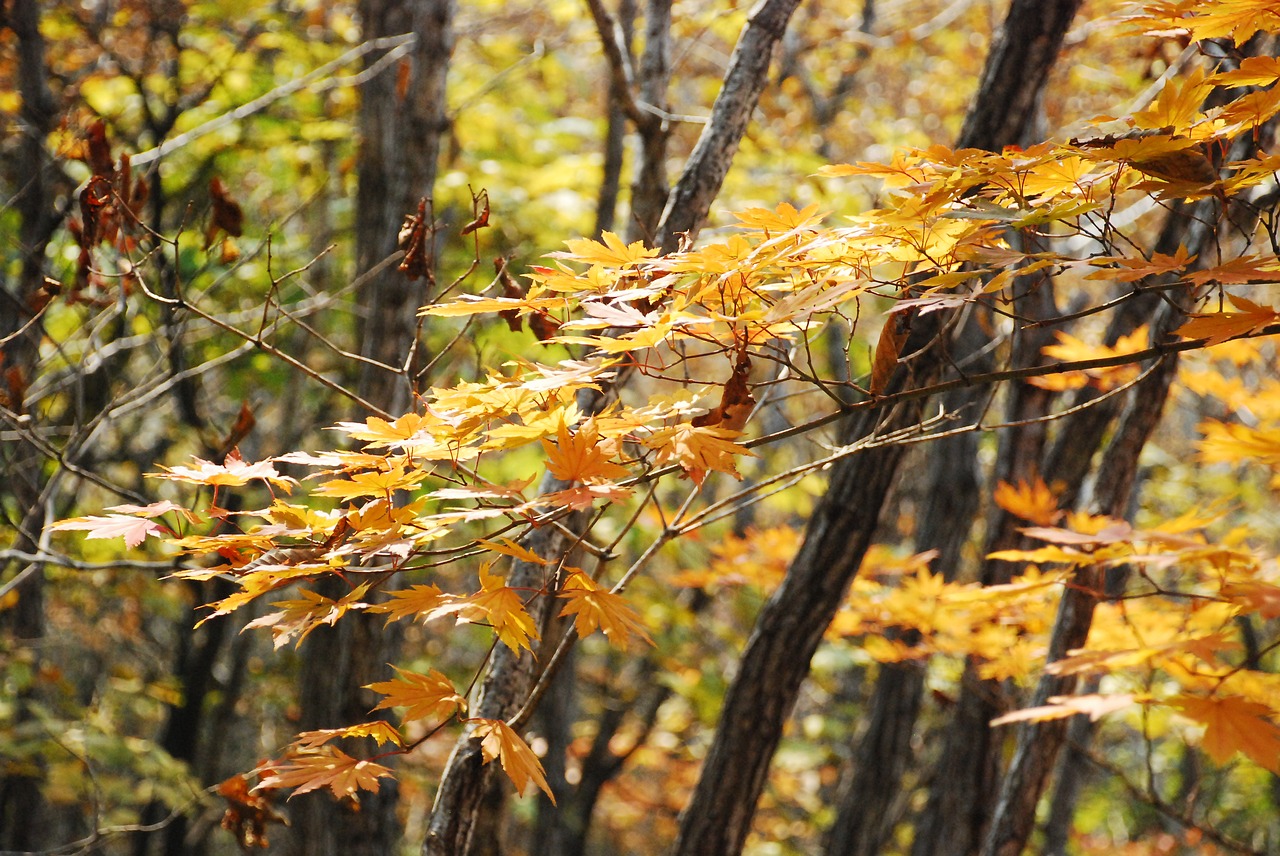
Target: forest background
639,427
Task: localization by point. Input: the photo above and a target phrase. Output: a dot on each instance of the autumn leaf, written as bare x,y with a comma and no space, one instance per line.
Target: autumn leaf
1032,501
584,495
415,602
497,604
580,456
372,483
1060,707
134,530
497,740
227,215
1069,349
507,547
327,767
233,472
609,251
1217,327
1230,442
247,813
593,606
1233,724
426,696
888,348
297,618
380,432
379,729
698,450
736,402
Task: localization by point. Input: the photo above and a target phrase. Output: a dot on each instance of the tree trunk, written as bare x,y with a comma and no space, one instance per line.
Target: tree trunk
401,128
21,802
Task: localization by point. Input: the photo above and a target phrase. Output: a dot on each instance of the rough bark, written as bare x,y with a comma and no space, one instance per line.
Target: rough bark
793,620
399,150
965,779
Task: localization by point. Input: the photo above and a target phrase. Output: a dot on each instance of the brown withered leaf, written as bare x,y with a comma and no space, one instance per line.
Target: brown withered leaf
15,387
415,240
227,214
512,290
95,203
98,155
736,402
245,422
247,813
404,73
543,325
892,338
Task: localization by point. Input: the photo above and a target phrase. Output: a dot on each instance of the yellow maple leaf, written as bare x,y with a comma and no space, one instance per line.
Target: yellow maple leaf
379,729
1031,501
1233,724
581,456
698,449
609,251
297,618
372,483
426,696
1227,442
593,606
380,432
499,605
1069,349
415,602
498,740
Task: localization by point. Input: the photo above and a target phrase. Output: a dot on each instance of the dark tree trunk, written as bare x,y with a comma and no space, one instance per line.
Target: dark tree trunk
21,803
401,130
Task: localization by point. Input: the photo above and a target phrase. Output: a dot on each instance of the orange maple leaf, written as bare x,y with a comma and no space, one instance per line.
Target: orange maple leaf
498,740
1218,327
1029,501
426,696
380,730
497,604
581,456
593,606
326,768
1233,724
